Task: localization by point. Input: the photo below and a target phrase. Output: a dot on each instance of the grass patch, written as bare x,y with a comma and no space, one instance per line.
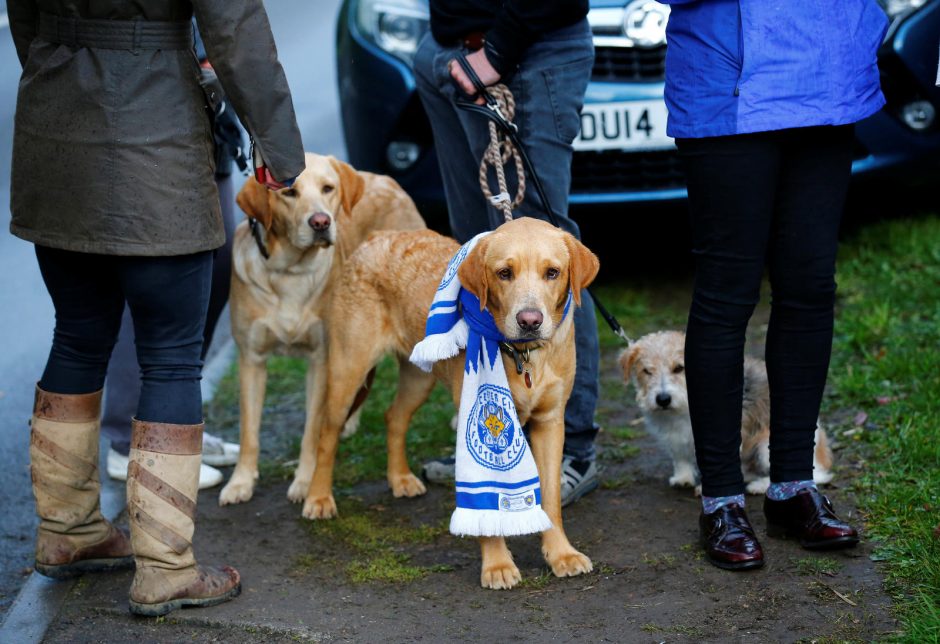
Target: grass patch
886,364
807,566
388,567
688,631
375,541
617,482
660,562
537,582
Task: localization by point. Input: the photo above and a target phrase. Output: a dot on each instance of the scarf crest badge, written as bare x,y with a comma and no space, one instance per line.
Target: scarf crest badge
497,486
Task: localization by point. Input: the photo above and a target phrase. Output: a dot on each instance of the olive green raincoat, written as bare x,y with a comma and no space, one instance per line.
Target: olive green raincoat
112,148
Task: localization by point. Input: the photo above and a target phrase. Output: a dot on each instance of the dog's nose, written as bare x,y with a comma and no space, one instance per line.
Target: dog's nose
319,221
663,400
529,319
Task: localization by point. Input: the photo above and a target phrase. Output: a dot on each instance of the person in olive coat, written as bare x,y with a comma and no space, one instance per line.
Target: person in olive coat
112,180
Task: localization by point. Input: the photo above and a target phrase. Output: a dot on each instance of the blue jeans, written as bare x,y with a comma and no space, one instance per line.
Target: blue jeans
549,88
122,386
167,296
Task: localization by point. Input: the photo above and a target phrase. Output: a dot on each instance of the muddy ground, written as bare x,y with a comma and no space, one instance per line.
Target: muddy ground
387,570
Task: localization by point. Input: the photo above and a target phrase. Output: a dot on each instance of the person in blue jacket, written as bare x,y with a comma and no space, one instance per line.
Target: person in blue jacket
762,99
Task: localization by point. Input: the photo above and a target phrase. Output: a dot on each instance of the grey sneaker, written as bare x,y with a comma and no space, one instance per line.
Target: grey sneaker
217,452
577,479
440,470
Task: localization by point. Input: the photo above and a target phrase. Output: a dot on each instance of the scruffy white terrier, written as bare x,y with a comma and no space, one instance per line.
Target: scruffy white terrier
655,364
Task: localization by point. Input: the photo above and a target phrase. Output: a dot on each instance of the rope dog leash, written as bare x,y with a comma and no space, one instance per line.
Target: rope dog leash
499,109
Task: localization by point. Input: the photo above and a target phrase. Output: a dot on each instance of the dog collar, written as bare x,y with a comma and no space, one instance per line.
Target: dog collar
521,358
259,240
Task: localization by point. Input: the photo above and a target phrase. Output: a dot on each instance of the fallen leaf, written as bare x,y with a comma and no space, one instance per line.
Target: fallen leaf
886,400
860,419
840,595
936,532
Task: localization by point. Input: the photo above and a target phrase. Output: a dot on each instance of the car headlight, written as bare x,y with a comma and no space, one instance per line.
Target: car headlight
395,26
895,8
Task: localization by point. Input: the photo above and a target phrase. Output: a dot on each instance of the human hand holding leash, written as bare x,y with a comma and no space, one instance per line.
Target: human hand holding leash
484,70
264,176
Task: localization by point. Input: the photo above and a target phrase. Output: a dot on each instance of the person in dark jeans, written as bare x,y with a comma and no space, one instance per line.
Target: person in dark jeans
122,386
112,181
762,100
543,51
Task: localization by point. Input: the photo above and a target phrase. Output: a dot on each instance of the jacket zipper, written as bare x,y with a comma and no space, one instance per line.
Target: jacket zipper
737,83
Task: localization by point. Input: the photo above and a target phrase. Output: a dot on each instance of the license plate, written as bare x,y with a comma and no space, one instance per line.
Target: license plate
628,125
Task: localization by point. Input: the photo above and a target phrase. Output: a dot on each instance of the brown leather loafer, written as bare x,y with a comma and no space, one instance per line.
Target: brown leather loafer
729,540
809,517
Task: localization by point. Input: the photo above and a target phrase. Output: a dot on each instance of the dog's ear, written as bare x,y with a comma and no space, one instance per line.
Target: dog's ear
253,200
582,266
472,272
628,358
352,185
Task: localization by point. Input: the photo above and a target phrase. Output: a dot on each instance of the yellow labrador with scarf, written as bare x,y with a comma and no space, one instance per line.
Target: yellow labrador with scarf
522,273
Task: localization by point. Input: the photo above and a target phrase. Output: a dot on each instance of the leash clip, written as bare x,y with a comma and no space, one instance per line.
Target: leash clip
504,122
502,197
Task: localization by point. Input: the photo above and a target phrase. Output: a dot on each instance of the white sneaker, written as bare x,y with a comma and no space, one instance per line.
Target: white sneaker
218,452
117,470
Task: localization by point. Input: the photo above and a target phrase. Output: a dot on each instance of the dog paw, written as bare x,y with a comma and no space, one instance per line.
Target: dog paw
320,508
406,485
236,491
570,564
297,491
758,486
500,576
682,480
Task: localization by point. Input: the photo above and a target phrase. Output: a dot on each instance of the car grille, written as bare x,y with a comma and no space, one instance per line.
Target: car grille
629,64
623,171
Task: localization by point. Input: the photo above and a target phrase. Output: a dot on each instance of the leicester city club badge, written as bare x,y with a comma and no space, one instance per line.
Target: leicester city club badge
493,439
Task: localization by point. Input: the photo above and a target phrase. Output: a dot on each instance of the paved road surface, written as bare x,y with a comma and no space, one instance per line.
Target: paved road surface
304,31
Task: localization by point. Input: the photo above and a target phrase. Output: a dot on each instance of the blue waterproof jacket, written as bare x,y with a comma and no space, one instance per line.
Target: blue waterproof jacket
739,66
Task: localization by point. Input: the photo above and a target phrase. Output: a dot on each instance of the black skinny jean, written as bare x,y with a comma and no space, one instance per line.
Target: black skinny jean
771,199
167,297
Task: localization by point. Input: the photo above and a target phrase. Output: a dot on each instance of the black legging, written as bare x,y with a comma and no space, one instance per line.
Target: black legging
774,199
167,297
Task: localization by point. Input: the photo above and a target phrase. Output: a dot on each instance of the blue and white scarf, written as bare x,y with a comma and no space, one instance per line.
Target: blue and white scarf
497,484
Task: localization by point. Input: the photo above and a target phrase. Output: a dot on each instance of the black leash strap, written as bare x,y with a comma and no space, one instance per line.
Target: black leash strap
256,233
492,111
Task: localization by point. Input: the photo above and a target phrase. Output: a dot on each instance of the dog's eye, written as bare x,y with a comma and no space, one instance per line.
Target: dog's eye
327,189
552,274
678,368
289,192
647,371
504,274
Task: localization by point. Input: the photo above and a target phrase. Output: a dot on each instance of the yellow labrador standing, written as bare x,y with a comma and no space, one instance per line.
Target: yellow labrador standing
522,273
279,303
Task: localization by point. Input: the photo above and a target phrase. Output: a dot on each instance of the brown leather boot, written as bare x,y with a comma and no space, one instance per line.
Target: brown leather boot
162,483
73,536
